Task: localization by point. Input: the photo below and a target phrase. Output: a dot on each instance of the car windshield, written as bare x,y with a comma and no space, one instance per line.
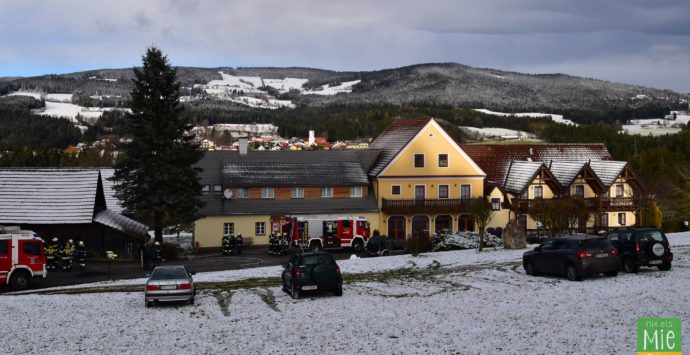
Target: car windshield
169,274
650,236
318,259
594,244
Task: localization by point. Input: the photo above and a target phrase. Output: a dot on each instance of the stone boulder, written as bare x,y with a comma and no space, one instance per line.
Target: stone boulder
514,236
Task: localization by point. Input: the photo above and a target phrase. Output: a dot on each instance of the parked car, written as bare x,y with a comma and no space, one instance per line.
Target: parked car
384,246
312,271
641,246
573,256
169,284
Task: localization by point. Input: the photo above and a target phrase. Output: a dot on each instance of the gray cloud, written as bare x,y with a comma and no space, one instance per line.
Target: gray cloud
639,41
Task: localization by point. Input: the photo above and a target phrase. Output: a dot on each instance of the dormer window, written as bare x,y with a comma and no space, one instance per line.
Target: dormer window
443,160
217,189
205,189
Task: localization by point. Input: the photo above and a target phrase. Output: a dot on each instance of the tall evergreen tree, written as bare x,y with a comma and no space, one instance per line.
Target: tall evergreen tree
156,178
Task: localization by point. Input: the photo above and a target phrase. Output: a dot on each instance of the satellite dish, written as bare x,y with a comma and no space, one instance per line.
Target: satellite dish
227,194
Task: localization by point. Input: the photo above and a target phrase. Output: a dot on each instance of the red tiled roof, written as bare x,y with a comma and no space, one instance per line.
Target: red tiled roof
494,159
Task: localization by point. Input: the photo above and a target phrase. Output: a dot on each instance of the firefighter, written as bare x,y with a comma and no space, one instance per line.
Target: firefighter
232,243
51,251
225,244
66,256
271,244
157,256
80,255
238,244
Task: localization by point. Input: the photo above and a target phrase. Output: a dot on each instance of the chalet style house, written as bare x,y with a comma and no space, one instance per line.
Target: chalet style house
518,175
414,180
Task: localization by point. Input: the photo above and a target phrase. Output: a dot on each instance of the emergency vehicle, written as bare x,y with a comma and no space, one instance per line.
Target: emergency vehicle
21,257
327,232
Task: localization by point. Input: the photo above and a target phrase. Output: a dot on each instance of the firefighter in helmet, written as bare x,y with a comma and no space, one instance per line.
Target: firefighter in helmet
238,244
80,254
225,244
51,254
272,243
66,256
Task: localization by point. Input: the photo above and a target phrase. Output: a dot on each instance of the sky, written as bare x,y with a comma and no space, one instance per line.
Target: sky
645,42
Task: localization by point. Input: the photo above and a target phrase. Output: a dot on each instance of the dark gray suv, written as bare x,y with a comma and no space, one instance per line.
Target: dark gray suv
641,246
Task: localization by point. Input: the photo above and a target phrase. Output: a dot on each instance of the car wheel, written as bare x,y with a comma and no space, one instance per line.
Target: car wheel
571,273
529,268
338,291
386,253
294,292
147,303
630,266
191,301
19,280
285,289
358,246
611,273
664,267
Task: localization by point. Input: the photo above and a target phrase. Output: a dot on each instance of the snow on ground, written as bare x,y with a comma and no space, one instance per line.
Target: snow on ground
35,95
59,97
252,83
463,303
658,126
499,132
327,90
554,117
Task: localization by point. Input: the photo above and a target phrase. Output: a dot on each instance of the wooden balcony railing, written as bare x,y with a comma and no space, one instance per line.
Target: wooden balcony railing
602,204
412,206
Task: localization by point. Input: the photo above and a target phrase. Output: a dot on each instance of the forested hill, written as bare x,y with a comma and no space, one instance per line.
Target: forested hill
436,84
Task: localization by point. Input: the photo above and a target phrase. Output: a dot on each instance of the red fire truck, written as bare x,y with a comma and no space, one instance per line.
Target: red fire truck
21,258
329,232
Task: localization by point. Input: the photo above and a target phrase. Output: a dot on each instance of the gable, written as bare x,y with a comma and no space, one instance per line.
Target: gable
431,141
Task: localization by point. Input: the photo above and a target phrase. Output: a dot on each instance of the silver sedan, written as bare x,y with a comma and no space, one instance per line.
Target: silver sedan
169,284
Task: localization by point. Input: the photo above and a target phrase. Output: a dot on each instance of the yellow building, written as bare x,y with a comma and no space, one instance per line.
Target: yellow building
423,180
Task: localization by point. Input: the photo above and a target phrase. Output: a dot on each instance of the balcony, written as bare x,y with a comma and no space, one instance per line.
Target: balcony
600,204
415,206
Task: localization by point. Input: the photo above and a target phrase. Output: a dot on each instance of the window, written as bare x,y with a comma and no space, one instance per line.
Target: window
419,192
228,228
217,189
395,190
32,248
580,191
465,192
443,160
619,190
266,192
260,228
604,220
442,191
538,192
3,247
419,160
205,189
327,191
298,192
243,193
495,204
621,219
548,245
356,191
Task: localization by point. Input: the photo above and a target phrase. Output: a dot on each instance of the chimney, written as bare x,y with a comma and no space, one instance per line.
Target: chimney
312,140
243,145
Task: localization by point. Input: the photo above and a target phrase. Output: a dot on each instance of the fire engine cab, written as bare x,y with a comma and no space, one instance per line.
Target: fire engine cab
21,258
327,232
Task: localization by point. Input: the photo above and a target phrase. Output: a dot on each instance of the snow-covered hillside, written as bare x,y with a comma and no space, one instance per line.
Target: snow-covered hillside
554,117
252,90
448,302
498,133
671,124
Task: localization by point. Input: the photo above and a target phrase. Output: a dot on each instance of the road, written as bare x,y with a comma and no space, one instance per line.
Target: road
130,269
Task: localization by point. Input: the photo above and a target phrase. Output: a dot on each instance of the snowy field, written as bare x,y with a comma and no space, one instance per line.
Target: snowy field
497,132
554,117
450,302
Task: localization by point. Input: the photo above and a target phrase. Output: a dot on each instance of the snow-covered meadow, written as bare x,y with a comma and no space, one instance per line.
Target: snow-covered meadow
449,302
554,117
